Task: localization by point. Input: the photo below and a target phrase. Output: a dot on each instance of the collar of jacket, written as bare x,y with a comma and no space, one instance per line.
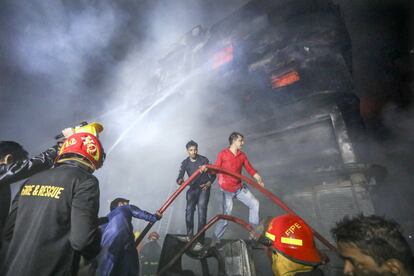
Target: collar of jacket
76,162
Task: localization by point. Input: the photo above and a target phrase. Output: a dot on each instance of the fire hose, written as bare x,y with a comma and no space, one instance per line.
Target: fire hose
167,204
245,179
239,221
273,198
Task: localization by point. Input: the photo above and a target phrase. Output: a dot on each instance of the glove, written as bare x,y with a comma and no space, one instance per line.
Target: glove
158,215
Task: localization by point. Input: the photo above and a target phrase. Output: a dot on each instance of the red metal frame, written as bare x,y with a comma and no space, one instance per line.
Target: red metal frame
167,204
245,179
273,198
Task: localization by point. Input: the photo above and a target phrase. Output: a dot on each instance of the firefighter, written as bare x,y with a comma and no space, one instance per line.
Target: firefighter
15,166
56,211
293,248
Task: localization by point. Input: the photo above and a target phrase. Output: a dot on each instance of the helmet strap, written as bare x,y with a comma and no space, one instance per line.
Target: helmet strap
87,164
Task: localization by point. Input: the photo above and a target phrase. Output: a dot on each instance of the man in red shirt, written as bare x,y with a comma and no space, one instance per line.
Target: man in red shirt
233,159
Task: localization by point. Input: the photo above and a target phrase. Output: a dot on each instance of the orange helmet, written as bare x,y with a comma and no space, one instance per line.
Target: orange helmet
83,147
293,238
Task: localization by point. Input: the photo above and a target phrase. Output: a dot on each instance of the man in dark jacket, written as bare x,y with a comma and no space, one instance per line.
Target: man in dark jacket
119,257
199,192
10,152
15,166
57,213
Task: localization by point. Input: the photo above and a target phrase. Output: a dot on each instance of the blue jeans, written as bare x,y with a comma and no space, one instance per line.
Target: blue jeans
247,198
196,197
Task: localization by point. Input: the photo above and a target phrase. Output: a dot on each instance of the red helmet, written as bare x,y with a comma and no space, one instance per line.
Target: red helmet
293,238
84,145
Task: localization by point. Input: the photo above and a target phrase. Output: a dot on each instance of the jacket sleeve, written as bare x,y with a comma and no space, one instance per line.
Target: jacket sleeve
85,236
249,168
22,169
181,172
8,228
141,214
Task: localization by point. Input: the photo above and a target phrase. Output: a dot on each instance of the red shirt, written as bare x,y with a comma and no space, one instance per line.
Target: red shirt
234,163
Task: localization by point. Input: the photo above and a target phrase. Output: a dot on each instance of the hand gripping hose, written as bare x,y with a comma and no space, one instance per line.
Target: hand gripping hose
239,221
273,198
249,181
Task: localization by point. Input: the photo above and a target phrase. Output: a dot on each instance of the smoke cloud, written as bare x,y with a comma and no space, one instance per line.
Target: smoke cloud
66,61
62,62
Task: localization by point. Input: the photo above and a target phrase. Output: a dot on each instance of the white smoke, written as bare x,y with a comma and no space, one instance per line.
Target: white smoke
52,39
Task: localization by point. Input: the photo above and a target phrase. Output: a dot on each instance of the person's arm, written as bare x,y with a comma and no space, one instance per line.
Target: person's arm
85,236
141,214
211,176
218,163
181,172
252,171
23,169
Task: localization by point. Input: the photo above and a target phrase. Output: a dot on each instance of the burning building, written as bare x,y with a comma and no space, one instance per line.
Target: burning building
286,68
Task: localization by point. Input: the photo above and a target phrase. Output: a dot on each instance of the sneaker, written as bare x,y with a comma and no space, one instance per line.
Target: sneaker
184,238
197,246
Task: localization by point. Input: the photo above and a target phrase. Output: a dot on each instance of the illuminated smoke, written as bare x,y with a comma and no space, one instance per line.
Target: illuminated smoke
62,62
